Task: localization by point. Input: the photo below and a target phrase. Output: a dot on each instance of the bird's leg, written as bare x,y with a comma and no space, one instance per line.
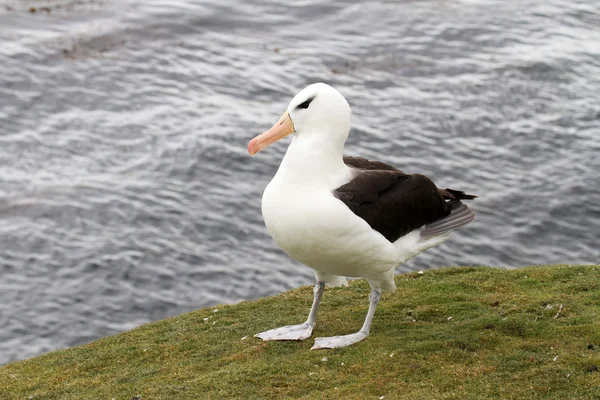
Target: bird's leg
301,331
335,342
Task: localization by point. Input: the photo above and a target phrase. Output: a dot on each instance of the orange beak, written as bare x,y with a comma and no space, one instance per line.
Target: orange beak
281,129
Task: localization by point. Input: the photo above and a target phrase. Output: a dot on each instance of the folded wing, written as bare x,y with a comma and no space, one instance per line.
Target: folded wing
394,203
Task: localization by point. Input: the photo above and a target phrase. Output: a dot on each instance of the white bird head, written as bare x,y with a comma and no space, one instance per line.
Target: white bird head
318,110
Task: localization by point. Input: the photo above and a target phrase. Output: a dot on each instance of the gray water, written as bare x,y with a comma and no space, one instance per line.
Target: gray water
126,192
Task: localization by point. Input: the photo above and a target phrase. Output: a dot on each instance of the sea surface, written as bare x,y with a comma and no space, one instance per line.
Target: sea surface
126,191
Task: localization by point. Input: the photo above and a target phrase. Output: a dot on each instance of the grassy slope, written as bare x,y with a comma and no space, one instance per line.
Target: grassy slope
503,341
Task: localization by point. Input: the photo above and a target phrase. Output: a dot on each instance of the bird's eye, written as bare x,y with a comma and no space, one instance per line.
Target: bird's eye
306,103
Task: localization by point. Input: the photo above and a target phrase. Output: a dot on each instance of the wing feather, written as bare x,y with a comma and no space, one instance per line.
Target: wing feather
392,202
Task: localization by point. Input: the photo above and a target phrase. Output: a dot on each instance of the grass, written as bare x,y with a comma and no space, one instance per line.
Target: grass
456,333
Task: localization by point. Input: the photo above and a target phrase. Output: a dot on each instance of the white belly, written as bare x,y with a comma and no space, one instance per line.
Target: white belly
318,230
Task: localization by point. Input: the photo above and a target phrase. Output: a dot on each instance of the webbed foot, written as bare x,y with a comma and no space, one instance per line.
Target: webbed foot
336,342
289,332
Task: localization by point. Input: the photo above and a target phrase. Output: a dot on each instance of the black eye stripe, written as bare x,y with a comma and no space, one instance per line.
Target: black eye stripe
305,103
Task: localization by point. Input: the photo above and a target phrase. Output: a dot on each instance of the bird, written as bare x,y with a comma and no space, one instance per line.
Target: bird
346,216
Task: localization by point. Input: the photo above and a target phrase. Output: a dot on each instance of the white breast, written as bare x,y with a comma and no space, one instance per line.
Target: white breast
318,230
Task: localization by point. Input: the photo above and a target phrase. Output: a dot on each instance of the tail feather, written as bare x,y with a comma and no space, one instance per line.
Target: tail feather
459,216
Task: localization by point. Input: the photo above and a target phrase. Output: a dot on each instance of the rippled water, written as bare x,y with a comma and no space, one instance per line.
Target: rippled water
126,191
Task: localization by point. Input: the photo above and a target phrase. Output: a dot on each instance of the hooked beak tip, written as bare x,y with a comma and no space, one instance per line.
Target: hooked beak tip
251,147
282,128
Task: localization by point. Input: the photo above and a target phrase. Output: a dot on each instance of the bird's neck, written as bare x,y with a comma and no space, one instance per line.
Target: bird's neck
314,162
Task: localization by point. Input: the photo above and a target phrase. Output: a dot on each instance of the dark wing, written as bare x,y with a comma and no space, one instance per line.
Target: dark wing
451,194
364,164
392,202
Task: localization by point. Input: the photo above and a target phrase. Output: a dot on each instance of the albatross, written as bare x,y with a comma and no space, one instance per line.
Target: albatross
346,216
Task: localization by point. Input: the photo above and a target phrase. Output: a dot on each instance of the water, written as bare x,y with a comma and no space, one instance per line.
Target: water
126,191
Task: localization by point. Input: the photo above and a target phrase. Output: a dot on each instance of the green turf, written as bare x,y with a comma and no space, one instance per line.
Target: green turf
456,333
